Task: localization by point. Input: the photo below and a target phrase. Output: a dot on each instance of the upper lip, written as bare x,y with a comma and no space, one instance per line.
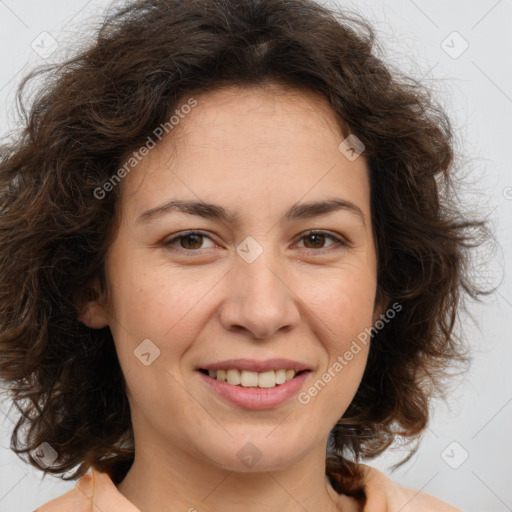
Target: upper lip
254,365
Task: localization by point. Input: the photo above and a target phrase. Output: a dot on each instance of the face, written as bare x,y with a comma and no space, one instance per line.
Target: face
251,289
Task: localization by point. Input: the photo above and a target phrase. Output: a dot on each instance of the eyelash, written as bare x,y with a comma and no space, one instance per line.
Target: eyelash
342,244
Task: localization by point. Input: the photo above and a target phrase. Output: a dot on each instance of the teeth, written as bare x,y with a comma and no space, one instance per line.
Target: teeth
233,377
267,379
280,376
290,374
249,379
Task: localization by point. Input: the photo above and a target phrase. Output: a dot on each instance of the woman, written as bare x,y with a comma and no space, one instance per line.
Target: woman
230,263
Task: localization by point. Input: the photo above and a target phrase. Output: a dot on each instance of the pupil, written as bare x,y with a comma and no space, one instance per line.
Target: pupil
193,237
318,237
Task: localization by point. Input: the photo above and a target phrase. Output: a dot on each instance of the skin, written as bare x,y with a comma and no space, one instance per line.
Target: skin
256,152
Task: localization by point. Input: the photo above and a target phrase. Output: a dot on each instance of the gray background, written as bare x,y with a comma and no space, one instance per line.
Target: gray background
476,88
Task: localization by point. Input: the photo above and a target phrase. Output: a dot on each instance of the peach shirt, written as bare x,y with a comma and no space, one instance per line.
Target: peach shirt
95,492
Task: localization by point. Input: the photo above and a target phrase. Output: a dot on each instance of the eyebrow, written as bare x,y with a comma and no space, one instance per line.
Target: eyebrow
306,210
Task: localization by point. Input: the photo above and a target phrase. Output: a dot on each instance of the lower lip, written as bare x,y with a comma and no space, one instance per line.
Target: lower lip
256,398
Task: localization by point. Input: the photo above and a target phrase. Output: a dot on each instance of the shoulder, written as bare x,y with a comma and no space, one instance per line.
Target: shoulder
63,503
384,495
95,487
77,499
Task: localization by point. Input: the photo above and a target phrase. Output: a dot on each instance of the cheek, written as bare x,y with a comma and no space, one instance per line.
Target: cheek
155,298
344,302
150,305
345,308
161,305
345,311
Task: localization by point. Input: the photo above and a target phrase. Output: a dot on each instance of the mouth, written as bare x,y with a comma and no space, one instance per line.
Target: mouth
252,379
254,390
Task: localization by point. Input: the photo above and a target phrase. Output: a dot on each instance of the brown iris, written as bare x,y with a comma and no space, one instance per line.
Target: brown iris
196,240
319,237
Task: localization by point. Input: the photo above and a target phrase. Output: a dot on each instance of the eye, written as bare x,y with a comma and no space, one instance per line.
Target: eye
188,241
192,241
316,239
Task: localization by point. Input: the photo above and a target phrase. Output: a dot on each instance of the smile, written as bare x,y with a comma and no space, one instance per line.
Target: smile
254,397
251,379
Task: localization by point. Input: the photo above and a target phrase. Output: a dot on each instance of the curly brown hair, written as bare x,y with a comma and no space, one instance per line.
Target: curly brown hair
100,105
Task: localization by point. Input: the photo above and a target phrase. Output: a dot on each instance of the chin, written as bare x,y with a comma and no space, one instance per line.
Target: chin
259,455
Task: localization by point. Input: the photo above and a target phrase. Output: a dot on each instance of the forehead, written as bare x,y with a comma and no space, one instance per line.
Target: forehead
236,143
245,117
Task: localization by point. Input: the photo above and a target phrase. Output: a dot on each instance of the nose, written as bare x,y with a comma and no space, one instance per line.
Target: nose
259,302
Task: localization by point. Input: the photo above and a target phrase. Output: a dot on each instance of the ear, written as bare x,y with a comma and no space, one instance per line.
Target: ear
91,309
